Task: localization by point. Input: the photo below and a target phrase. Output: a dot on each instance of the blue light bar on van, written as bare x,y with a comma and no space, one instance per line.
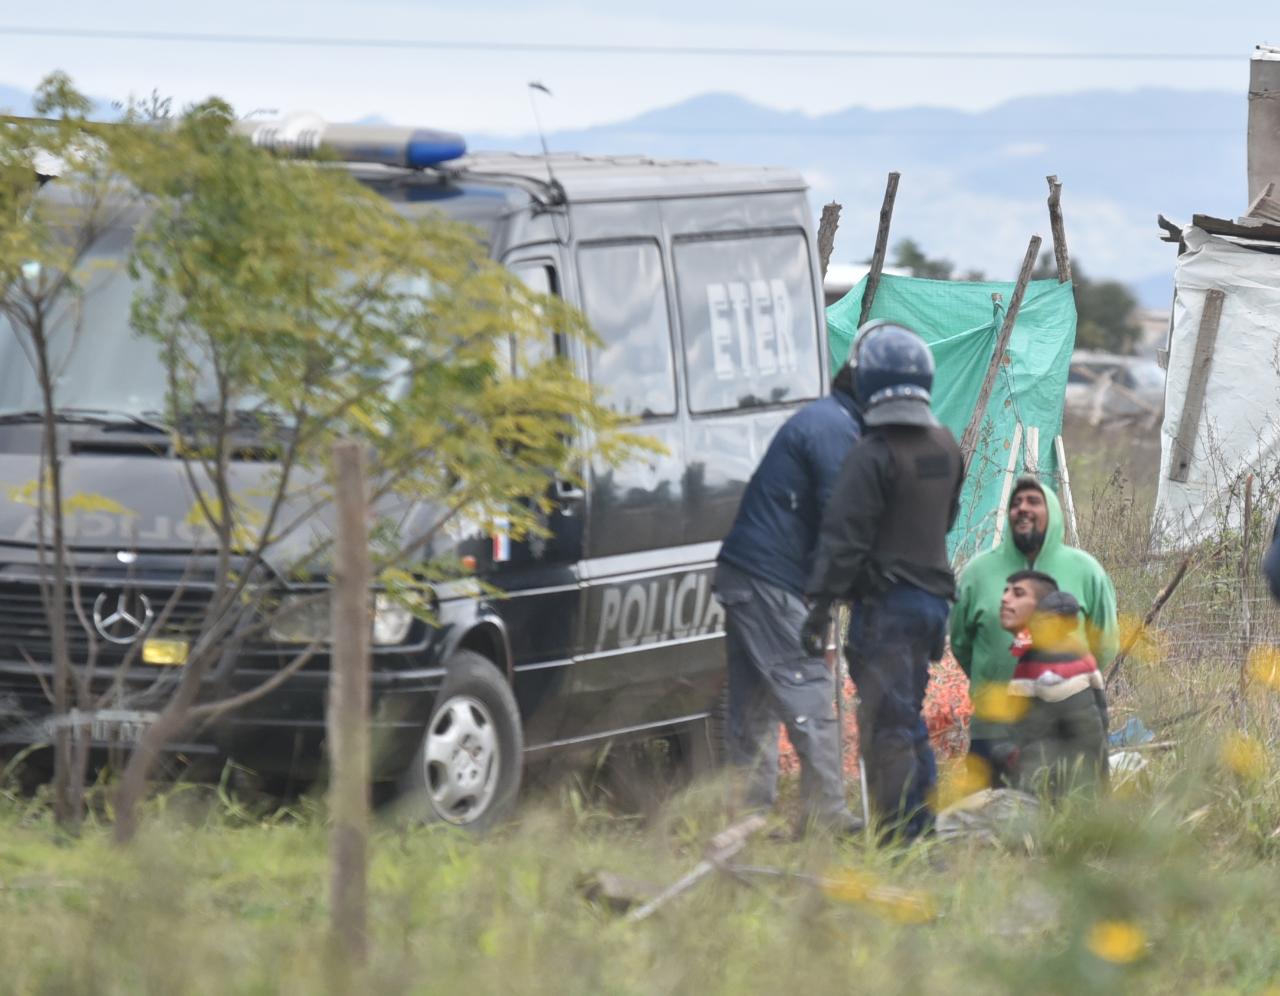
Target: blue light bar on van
306,135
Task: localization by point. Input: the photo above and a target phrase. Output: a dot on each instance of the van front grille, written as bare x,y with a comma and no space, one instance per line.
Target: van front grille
124,615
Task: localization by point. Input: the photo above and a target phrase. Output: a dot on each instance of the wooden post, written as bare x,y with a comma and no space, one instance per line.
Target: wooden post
1165,593
1032,460
969,441
348,712
1006,489
1058,230
1193,400
827,234
882,246
1064,491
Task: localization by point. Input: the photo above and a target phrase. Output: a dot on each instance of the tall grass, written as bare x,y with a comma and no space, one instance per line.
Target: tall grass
1167,885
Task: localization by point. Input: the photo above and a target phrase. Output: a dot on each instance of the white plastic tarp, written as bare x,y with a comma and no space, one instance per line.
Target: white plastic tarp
1238,431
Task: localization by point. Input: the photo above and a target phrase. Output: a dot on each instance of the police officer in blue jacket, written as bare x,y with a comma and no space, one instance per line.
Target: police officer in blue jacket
760,577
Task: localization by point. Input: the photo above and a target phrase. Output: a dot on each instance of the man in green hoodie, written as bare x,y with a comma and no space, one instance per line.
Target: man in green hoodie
980,645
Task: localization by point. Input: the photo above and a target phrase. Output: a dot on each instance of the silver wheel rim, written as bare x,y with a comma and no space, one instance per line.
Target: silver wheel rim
462,760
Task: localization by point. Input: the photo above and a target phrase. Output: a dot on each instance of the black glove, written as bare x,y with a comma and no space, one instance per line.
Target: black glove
814,629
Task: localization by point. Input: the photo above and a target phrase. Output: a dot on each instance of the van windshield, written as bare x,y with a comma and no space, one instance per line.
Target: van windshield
101,364
99,361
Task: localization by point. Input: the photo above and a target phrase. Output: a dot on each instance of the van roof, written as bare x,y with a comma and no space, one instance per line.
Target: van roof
589,177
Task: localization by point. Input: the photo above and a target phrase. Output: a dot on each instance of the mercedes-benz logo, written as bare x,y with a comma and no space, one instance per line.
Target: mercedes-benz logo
122,616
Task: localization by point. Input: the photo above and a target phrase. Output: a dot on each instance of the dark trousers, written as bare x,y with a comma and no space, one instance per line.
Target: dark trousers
1062,745
997,753
892,639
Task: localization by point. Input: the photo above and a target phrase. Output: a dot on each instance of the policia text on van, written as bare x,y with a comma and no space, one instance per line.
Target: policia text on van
700,281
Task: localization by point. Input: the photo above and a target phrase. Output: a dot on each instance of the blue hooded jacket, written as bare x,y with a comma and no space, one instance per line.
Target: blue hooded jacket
775,535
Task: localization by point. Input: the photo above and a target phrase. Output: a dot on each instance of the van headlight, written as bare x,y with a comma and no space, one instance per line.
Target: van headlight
305,619
391,621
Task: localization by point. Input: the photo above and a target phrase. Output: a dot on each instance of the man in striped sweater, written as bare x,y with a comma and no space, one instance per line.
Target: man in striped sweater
1060,738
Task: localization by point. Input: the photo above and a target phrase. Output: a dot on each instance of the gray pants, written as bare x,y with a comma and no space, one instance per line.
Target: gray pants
772,681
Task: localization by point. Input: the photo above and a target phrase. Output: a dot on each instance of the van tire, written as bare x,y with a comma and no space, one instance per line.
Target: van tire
467,770
642,776
718,730
702,747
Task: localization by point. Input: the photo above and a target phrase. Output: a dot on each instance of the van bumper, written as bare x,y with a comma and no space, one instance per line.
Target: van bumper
280,733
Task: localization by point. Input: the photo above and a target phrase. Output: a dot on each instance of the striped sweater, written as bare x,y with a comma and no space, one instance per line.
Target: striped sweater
1051,675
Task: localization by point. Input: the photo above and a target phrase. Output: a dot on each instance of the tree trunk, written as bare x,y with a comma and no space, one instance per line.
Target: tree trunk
67,796
348,719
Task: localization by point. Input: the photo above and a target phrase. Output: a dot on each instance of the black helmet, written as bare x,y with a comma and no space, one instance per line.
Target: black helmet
892,375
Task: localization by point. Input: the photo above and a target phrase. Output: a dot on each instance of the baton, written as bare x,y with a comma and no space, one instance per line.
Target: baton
835,645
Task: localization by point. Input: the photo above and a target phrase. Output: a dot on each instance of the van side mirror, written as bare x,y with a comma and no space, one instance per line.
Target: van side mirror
566,491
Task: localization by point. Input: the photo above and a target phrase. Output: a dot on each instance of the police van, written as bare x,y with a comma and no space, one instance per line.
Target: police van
701,282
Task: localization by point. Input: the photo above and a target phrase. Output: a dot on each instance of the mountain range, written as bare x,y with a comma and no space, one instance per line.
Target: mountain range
973,182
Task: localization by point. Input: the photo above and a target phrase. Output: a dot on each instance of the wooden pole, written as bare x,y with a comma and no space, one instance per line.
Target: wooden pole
1197,383
719,850
1165,593
1006,489
348,712
882,246
969,441
827,226
1032,460
1058,230
1064,488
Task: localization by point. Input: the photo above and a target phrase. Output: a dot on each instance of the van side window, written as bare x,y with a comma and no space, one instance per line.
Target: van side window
624,299
541,278
746,305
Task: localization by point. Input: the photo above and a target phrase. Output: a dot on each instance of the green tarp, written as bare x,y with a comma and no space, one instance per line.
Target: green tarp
960,322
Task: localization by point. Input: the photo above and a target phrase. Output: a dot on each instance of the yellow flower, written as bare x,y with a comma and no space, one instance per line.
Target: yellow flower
1264,667
1244,755
993,703
1120,942
959,779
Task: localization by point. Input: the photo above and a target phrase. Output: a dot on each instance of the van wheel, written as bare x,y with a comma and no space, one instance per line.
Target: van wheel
642,776
717,732
704,746
467,770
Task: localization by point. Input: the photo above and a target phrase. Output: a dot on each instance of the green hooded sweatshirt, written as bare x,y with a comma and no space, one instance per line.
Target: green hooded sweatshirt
981,647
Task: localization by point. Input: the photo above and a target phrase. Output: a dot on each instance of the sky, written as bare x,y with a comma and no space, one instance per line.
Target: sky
485,89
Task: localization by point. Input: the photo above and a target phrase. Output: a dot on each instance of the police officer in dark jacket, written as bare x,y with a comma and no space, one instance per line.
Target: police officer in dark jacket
760,577
883,546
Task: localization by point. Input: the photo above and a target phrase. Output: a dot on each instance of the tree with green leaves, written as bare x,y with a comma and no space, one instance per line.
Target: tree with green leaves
42,257
909,256
283,306
1105,309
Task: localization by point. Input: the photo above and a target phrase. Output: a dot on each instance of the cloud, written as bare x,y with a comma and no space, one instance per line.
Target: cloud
1023,150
